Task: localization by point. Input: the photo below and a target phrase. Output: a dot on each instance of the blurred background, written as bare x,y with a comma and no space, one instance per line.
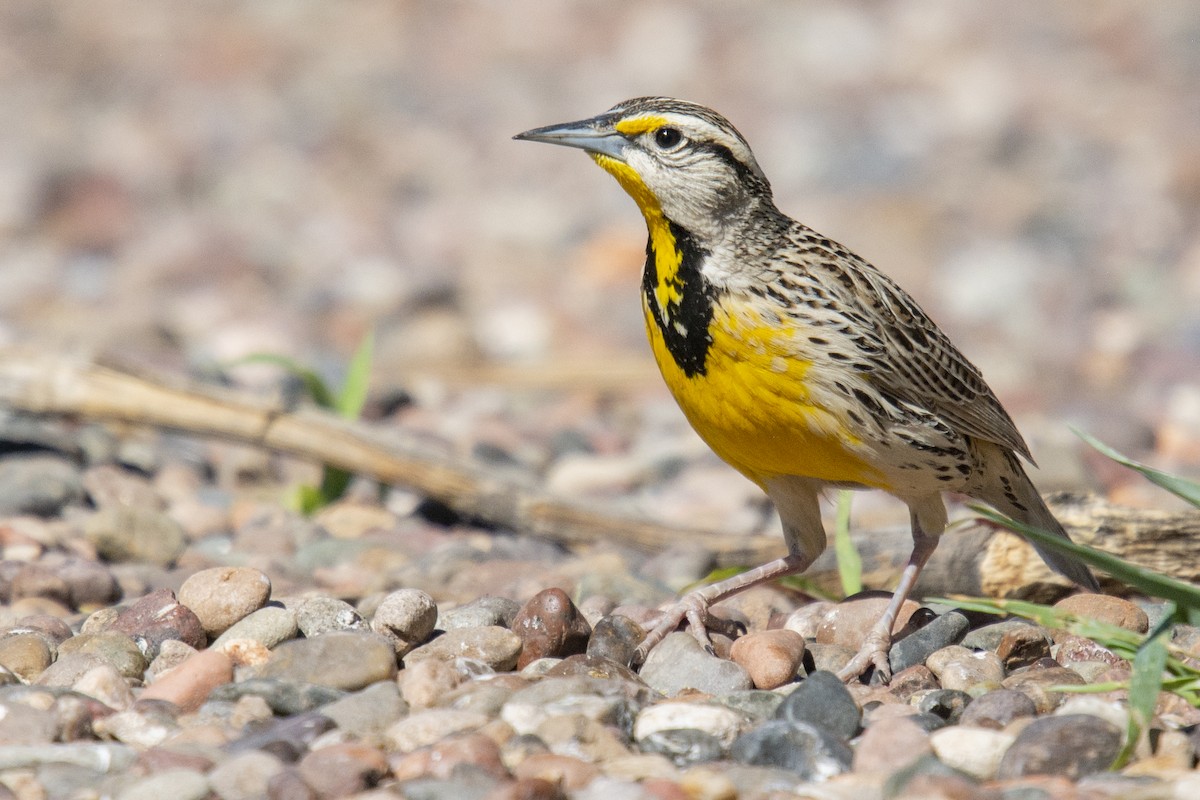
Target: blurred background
182,184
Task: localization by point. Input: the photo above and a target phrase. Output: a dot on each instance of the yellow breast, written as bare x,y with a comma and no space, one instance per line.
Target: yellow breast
753,406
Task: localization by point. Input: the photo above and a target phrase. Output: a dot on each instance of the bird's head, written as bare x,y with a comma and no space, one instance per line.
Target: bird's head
678,160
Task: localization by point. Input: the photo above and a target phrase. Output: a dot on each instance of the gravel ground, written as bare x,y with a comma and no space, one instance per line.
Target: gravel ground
184,184
166,632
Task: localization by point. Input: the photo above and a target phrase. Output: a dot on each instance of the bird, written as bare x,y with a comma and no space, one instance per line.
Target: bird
799,363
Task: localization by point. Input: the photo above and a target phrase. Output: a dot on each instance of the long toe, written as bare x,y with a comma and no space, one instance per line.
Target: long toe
873,653
694,609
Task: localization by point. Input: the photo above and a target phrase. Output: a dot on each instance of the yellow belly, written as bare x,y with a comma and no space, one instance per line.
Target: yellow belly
752,405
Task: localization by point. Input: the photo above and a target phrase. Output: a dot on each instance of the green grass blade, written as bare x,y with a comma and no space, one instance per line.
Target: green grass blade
353,397
1180,487
316,388
848,559
1184,595
1145,683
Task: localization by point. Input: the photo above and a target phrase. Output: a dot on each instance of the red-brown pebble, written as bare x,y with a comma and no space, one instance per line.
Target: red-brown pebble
189,684
889,744
1105,608
570,773
849,622
550,625
440,760
343,769
771,657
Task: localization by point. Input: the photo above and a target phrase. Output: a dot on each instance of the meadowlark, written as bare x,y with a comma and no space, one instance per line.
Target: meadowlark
799,363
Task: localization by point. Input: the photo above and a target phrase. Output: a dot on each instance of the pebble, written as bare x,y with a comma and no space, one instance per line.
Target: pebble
847,623
1106,608
178,784
945,704
127,533
268,626
189,684
322,614
582,736
965,670
287,739
25,654
367,713
346,660
615,637
823,701
106,684
406,618
976,751
996,709
281,696
679,663
342,769
479,613
24,725
114,647
609,701
811,752
39,484
569,772
891,744
442,759
946,629
550,625
1022,646
244,776
494,646
684,746
1072,745
223,596
1035,682
772,658
424,728
721,723
157,617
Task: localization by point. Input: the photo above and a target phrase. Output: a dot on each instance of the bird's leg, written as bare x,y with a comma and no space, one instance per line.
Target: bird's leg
875,646
693,606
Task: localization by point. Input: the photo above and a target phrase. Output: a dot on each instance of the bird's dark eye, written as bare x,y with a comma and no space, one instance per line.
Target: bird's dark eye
666,138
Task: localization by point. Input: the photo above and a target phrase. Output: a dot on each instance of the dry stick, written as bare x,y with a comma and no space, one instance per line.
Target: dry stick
981,560
46,384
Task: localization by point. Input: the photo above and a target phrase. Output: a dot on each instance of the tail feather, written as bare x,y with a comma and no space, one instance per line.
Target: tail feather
1011,492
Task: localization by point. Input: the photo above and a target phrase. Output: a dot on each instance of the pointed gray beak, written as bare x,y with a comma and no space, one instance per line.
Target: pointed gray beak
596,135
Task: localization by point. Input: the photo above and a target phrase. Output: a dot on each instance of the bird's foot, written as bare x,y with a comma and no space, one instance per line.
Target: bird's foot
694,609
873,653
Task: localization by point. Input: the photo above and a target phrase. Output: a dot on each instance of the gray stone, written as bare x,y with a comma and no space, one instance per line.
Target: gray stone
284,697
36,483
99,757
945,630
1071,745
244,776
124,533
366,714
479,613
496,647
321,614
809,751
613,702
116,648
178,784
406,618
822,700
269,626
679,662
341,659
